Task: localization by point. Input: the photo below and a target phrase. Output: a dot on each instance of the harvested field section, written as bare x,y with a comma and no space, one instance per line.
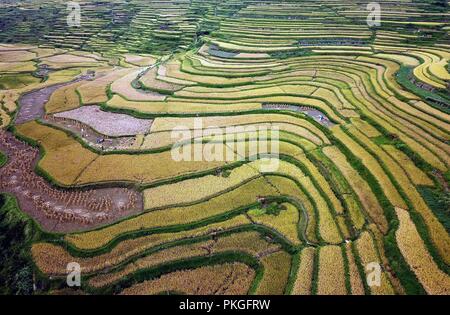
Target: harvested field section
360,186
434,280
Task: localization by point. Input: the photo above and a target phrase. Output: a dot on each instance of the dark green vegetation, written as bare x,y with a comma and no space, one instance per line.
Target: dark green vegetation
17,231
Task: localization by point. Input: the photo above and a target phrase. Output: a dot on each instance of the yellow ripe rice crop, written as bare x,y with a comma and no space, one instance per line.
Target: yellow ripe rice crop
286,223
251,243
227,279
416,175
95,91
118,101
172,106
436,230
349,183
161,257
438,70
435,65
365,128
145,168
173,70
406,60
329,96
356,215
65,75
157,140
320,179
59,148
10,67
53,260
331,279
290,170
368,254
327,226
299,131
379,243
372,164
168,123
432,124
122,86
287,187
243,94
342,224
17,81
253,142
196,189
360,186
355,279
81,166
426,108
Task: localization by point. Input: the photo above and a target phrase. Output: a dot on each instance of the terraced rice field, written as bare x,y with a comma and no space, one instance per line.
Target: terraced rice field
91,116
